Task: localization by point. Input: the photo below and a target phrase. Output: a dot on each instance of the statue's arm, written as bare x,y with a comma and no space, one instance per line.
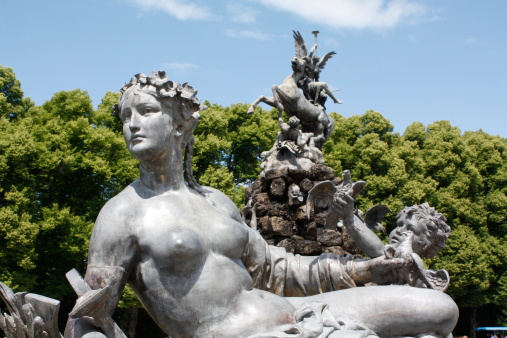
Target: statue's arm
277,271
366,239
111,254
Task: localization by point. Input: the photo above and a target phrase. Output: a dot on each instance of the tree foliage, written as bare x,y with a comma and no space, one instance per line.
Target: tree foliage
228,144
58,167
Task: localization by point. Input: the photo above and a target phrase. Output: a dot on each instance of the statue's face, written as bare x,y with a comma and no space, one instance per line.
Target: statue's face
422,229
147,126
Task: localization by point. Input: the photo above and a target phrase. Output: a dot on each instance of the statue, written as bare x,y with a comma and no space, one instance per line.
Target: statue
201,272
289,98
420,232
293,148
30,316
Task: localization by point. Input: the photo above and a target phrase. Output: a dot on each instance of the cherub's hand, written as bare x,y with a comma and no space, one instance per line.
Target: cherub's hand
344,205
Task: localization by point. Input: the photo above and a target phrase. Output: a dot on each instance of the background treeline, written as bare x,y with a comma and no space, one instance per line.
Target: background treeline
60,162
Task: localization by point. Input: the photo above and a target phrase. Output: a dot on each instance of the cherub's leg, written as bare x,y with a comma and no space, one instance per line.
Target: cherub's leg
323,86
392,311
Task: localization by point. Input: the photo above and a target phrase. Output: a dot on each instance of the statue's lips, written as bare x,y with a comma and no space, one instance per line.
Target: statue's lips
137,138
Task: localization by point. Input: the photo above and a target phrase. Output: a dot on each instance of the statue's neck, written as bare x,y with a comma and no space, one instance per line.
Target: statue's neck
163,174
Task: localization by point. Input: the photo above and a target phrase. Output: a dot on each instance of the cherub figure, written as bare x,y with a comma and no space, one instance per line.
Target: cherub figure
421,232
291,136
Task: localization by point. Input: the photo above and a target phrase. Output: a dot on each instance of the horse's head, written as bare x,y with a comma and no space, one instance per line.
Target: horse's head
299,64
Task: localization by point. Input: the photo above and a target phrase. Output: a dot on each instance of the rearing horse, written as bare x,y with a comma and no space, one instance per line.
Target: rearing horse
289,98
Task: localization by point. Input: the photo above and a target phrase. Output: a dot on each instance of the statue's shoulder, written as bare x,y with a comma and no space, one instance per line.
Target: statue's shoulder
223,203
119,207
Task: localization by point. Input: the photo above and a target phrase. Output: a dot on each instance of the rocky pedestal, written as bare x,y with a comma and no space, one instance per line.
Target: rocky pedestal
276,206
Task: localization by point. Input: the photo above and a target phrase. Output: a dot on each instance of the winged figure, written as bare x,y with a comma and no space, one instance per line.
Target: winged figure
301,96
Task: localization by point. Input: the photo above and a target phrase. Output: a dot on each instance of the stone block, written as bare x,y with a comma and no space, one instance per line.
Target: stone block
320,218
335,250
264,225
288,244
329,237
320,172
297,175
281,227
305,185
278,209
276,173
311,231
278,187
307,248
261,203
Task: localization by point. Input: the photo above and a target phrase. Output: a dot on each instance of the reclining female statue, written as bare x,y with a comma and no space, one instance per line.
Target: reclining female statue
201,272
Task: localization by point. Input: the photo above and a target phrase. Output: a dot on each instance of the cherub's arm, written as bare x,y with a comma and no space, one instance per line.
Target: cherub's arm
366,239
275,270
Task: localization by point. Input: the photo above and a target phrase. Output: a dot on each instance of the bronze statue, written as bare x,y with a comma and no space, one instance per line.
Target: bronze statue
201,272
288,97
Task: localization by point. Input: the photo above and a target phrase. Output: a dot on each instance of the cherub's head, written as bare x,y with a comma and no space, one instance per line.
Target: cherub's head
294,122
428,226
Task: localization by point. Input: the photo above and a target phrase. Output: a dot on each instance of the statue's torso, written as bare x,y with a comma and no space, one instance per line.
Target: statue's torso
188,272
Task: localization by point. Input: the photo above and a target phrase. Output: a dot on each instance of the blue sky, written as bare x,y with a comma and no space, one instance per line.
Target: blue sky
410,60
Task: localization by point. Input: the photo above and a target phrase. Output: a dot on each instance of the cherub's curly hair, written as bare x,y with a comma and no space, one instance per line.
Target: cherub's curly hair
439,230
184,104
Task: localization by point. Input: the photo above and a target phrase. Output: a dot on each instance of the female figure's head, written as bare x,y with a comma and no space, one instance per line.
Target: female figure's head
159,117
428,226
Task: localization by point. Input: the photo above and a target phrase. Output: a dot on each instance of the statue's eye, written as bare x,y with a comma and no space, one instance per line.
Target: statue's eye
125,116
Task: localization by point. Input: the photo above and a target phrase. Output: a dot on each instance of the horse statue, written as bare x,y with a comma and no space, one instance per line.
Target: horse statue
295,95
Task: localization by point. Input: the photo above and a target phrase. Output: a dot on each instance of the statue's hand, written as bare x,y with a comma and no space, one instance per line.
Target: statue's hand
411,269
343,204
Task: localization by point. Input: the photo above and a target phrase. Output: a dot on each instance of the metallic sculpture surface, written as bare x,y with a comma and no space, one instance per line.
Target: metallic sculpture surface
201,272
302,95
420,232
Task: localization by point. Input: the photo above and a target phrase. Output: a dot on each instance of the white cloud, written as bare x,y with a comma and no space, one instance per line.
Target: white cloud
176,66
249,34
240,13
351,13
180,9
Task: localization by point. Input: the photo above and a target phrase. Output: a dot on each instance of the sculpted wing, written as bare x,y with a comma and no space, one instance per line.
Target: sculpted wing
333,216
299,44
320,195
374,215
324,59
439,280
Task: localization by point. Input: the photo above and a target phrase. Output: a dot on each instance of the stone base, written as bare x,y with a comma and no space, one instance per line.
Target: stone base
277,209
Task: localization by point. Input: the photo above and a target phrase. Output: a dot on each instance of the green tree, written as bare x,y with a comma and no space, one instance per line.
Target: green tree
12,102
59,166
228,144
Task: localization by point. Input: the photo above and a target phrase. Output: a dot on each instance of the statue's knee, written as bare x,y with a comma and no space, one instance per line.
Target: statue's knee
445,314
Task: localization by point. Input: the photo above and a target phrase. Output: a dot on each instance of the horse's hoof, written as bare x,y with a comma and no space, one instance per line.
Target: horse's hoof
250,110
